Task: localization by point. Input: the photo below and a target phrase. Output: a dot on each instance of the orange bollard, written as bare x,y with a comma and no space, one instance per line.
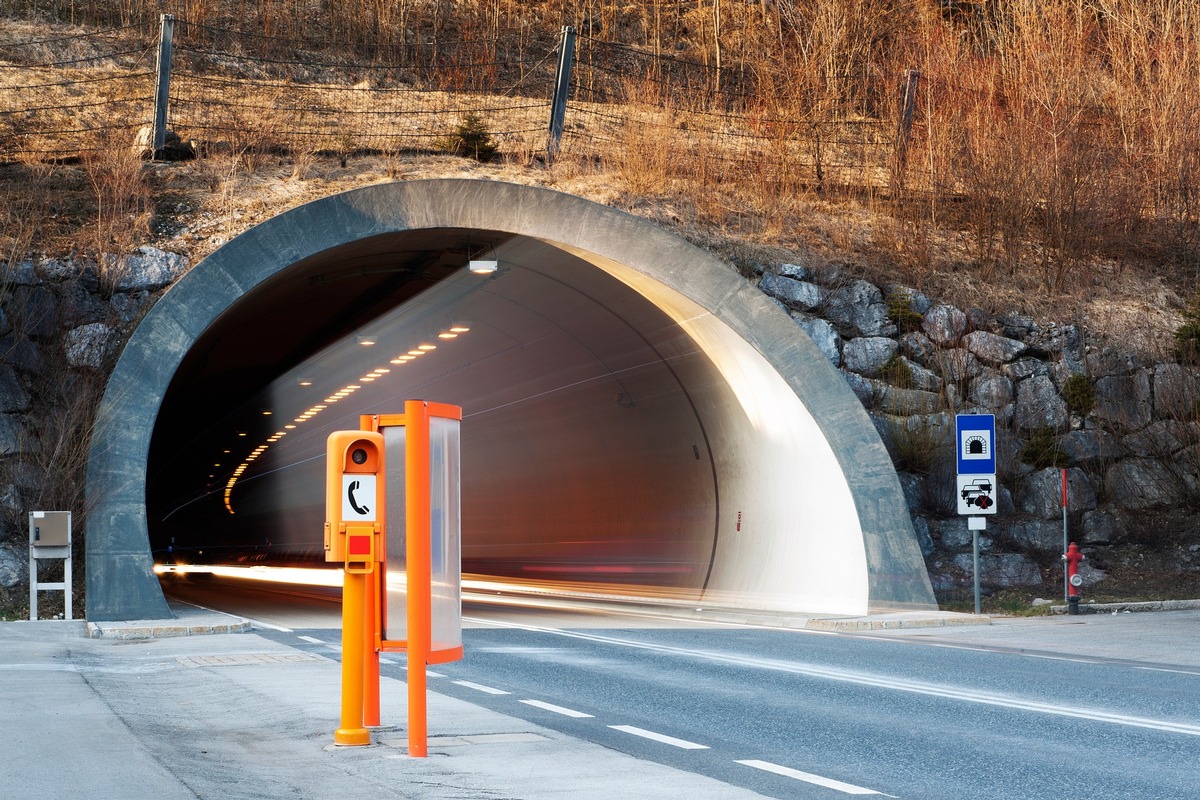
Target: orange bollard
354,591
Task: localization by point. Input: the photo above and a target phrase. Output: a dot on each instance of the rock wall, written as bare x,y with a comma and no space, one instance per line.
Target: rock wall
1127,432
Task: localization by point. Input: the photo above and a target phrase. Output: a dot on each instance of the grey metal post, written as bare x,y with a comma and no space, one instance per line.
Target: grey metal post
975,564
562,87
162,82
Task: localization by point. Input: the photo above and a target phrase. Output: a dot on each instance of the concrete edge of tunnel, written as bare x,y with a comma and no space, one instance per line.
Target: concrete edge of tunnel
187,621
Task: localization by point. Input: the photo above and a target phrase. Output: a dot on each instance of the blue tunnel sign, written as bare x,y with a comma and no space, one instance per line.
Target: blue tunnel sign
976,435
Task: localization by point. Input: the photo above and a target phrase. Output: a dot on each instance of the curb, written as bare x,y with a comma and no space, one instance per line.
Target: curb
167,628
885,623
1116,608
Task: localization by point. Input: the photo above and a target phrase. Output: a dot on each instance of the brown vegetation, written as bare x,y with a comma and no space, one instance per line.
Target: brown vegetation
1048,134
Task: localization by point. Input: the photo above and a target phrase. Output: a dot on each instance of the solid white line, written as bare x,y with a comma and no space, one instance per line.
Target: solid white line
658,737
566,712
808,777
480,688
1164,669
880,682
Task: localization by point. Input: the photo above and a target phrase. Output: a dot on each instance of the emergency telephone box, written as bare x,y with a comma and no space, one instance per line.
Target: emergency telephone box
355,505
50,528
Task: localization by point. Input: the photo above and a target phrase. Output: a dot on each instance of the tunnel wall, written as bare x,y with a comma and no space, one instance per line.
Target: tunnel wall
891,572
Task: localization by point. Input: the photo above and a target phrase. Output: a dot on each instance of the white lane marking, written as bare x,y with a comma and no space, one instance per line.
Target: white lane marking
312,639
808,777
383,660
1061,658
481,688
658,737
1164,669
878,681
431,674
566,712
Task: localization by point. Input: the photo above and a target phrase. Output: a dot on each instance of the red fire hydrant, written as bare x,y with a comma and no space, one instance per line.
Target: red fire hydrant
1074,579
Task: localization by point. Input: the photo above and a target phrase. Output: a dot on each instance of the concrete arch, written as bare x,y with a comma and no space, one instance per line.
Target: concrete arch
800,439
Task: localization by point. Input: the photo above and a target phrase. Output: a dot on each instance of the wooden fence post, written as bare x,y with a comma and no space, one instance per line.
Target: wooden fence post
162,83
908,105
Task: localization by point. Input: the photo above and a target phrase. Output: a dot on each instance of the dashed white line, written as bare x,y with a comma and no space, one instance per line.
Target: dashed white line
481,688
431,674
312,639
683,744
566,712
808,777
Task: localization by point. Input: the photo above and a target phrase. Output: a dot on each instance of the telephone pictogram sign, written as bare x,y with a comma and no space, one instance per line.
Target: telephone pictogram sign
358,498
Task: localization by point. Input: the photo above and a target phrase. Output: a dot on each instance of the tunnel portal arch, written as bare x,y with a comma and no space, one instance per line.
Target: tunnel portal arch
795,449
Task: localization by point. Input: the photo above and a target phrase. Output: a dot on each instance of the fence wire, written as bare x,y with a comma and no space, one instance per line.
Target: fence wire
235,91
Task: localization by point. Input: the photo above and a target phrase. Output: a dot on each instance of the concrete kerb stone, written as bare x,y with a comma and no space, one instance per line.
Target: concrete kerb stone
163,629
1117,608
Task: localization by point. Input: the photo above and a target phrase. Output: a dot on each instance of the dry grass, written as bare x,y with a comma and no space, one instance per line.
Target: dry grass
1053,167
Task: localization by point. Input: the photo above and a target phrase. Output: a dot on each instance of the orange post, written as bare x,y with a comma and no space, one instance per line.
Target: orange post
354,596
417,557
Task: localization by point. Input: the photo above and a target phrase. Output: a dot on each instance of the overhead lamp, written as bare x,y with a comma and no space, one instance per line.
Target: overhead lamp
305,382
427,347
365,341
447,335
483,267
460,327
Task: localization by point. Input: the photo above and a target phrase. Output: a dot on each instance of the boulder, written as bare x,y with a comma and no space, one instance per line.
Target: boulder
14,568
1098,527
867,355
1041,492
957,364
918,347
1039,405
1124,401
992,392
824,336
993,349
87,345
1002,571
793,293
1090,447
12,436
147,268
1137,484
858,310
1176,391
1162,438
944,325
1042,536
13,397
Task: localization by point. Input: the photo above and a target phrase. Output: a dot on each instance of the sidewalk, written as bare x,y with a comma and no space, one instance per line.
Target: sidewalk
228,716
235,715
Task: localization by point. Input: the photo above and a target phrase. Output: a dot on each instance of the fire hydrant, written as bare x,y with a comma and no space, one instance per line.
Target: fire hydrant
1074,579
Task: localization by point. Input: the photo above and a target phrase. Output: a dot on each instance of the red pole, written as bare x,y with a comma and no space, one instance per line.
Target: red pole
1066,579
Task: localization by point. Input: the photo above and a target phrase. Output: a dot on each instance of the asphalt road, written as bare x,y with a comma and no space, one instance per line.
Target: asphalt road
794,714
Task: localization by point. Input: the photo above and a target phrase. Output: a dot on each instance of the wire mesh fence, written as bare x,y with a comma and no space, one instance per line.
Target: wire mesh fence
67,95
235,91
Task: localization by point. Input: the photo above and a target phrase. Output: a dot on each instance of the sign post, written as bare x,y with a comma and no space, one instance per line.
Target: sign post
976,492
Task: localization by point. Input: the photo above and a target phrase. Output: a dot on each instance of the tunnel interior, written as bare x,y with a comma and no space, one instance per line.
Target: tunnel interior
585,450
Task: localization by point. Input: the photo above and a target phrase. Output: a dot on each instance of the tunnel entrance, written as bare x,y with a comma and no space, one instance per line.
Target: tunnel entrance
634,411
